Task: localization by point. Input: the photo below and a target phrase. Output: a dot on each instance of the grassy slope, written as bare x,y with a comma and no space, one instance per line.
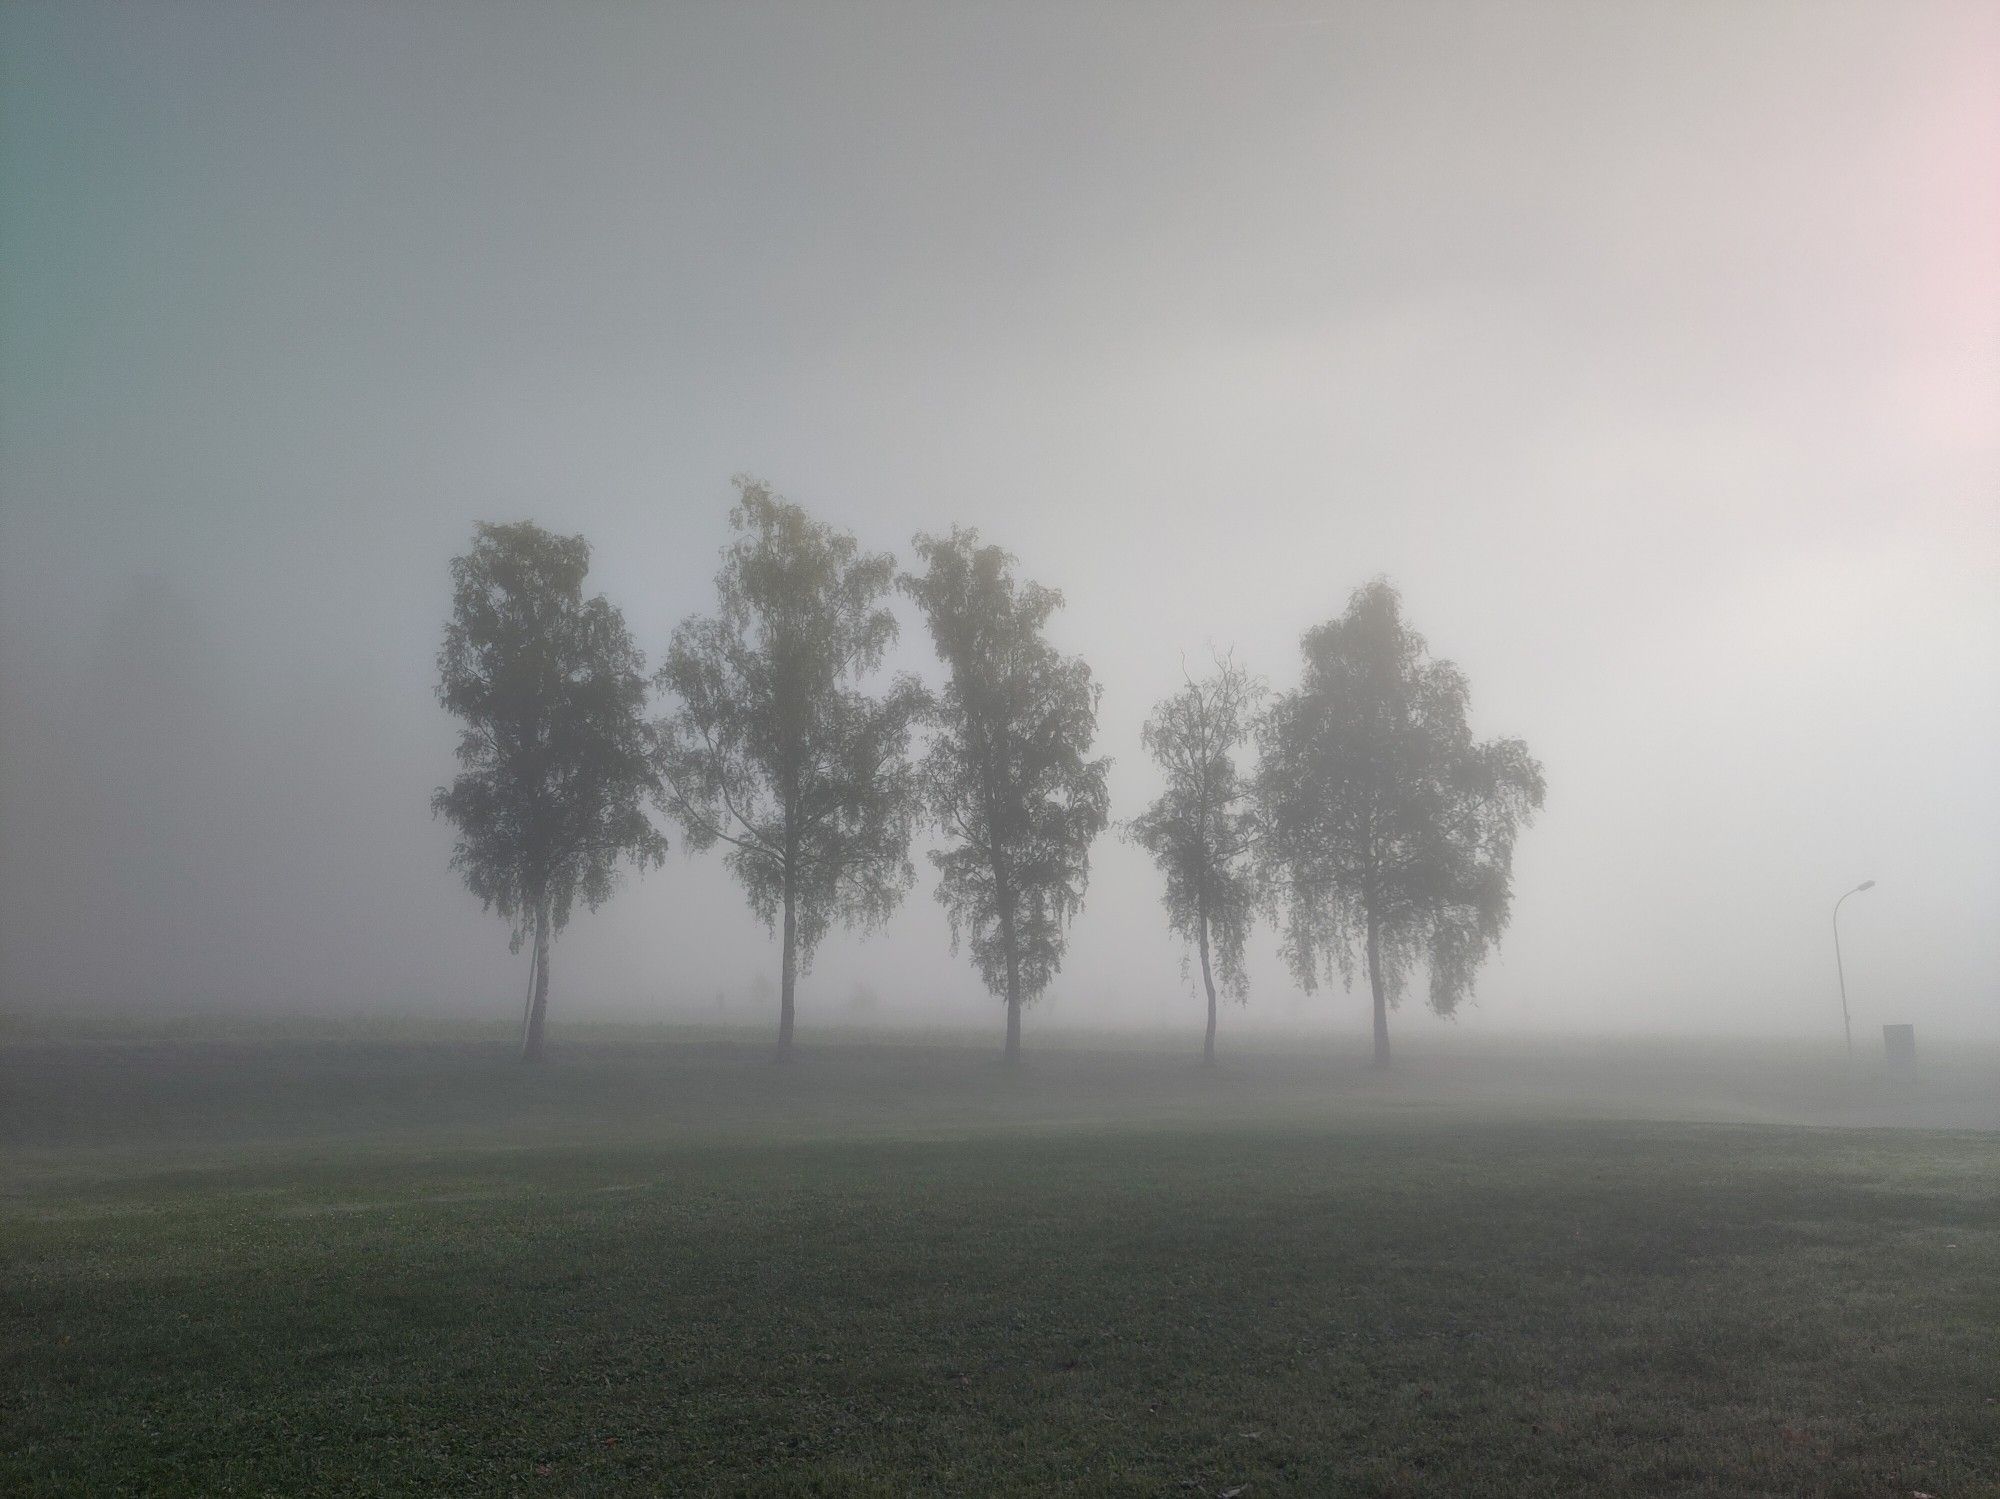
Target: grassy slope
293,1270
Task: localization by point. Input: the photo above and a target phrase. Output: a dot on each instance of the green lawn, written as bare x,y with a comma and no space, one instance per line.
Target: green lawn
274,1267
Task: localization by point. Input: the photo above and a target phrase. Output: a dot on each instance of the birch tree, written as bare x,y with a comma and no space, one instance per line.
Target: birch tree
774,751
1202,829
1008,774
1389,829
549,799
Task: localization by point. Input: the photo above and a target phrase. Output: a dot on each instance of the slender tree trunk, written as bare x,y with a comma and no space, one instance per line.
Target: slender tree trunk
788,971
1381,998
1013,991
1208,983
538,1006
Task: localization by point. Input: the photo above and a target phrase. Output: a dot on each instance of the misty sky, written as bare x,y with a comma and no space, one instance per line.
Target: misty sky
1652,350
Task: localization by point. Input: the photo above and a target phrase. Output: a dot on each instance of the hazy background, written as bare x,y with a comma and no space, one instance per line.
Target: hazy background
1653,350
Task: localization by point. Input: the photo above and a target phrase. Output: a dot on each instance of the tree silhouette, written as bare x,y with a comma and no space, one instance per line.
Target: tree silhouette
774,751
1201,829
1389,830
549,800
1007,775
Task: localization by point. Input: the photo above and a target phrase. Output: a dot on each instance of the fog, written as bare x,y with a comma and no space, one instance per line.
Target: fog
1653,352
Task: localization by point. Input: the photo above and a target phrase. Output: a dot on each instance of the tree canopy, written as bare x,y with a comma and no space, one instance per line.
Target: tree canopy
549,799
1007,775
1389,830
774,750
1201,830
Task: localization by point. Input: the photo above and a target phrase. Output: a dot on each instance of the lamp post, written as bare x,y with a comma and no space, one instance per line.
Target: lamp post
1841,969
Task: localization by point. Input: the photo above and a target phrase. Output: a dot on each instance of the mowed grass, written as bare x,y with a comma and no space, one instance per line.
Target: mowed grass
417,1269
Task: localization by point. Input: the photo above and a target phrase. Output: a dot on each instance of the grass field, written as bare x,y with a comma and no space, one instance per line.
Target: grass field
273,1265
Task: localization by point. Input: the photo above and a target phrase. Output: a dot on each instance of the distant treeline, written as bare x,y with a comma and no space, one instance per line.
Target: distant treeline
1372,826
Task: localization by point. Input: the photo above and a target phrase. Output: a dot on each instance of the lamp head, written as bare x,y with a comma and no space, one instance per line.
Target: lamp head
1864,885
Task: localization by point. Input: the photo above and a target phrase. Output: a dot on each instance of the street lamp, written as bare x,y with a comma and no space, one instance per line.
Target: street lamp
1841,969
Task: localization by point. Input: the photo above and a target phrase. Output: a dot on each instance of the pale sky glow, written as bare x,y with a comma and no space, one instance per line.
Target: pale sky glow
1653,351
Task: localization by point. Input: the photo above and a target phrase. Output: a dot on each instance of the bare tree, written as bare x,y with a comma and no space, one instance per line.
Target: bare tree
550,798
1389,829
1201,829
773,749
1007,774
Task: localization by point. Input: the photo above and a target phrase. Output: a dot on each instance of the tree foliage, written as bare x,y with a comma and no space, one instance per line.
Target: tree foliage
773,749
1390,830
1201,830
549,799
1007,775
